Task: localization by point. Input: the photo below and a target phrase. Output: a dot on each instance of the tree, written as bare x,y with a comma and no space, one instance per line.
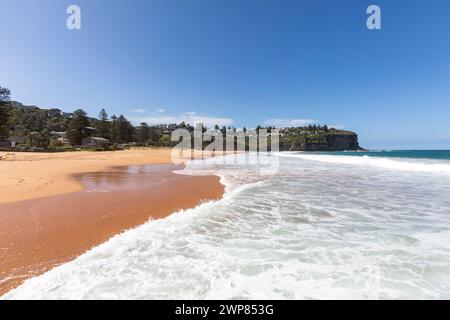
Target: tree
144,133
5,112
113,130
124,129
5,94
41,139
155,135
165,140
77,127
103,125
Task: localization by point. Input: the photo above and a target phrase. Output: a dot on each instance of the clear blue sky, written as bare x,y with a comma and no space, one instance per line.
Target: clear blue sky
239,61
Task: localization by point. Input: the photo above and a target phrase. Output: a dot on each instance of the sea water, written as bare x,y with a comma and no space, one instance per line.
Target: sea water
321,226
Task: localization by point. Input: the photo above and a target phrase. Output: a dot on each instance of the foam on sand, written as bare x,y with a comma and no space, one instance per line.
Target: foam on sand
311,231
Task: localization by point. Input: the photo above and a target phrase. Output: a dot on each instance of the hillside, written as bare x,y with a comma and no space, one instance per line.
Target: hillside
32,126
312,139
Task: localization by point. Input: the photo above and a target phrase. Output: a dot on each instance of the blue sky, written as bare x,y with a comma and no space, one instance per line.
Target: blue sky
239,61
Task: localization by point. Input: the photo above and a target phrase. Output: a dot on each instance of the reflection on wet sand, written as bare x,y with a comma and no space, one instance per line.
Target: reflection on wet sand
36,235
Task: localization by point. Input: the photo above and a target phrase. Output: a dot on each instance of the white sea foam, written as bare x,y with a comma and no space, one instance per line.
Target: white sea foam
314,230
422,165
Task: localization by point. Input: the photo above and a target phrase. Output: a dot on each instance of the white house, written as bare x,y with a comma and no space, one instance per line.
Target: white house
95,142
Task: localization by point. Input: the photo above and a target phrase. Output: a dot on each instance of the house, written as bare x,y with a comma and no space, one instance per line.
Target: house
91,129
60,136
19,139
12,142
95,142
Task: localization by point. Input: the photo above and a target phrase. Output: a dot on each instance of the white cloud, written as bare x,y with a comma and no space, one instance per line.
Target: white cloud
161,110
139,110
188,117
285,123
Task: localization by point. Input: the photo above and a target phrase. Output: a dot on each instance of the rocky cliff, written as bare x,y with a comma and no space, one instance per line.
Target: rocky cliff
333,140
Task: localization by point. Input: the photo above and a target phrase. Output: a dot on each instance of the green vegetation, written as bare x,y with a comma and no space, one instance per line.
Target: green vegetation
33,128
78,125
317,138
103,128
143,133
5,112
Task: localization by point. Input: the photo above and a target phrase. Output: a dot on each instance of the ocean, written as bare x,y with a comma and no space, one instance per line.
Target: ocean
364,225
413,154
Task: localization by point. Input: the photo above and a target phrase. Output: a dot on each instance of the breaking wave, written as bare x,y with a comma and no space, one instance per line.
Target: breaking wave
422,165
321,227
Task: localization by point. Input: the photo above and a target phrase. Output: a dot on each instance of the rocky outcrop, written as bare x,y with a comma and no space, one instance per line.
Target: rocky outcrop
337,140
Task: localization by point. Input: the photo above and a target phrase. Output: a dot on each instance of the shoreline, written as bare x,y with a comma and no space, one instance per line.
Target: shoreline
38,175
40,233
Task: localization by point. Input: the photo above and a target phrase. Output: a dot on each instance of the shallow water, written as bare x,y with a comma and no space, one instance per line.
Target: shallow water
322,226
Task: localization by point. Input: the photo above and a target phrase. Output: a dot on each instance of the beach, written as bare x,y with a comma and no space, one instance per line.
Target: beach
322,226
35,175
55,207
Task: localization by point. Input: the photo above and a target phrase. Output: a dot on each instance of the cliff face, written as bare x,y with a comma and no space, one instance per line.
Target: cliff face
337,140
340,142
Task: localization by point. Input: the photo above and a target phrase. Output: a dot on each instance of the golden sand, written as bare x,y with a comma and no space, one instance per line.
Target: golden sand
56,220
36,175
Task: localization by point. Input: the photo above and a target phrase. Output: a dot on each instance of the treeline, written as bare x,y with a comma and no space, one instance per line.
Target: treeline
35,127
32,127
116,129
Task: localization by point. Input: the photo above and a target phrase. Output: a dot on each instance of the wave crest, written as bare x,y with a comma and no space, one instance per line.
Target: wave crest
431,166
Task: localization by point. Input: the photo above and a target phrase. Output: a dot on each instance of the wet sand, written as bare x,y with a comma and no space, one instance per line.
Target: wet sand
28,175
39,234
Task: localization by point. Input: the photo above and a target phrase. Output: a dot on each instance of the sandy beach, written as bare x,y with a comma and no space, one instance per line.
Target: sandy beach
35,175
54,207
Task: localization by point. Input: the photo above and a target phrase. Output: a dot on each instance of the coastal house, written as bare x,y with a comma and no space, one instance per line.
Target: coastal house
19,139
95,142
60,136
13,141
